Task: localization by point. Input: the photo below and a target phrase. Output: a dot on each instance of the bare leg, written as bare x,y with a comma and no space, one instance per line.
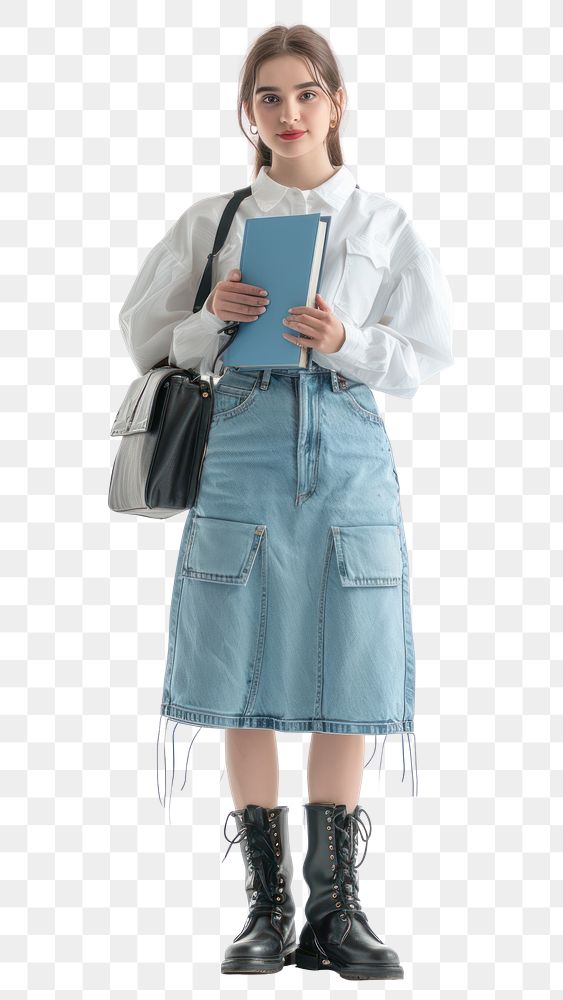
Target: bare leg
251,757
336,767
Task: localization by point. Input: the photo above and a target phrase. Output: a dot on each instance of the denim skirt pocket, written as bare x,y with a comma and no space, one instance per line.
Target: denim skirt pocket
363,623
221,618
233,394
360,397
220,550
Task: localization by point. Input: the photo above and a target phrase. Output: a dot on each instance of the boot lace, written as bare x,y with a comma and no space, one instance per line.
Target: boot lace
344,874
261,850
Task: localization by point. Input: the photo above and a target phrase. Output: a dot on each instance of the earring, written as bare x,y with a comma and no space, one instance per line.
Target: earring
254,133
332,124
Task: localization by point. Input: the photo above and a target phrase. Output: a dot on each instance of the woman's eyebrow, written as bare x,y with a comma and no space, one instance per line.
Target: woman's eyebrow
298,86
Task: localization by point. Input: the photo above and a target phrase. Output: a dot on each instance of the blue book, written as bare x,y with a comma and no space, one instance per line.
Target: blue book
284,254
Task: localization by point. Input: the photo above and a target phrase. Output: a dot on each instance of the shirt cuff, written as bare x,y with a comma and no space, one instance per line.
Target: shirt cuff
210,320
349,349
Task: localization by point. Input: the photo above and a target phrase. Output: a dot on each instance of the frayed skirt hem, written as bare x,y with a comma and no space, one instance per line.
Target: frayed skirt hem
186,718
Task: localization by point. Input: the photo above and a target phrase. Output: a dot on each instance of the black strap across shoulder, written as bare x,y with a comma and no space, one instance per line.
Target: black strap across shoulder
220,236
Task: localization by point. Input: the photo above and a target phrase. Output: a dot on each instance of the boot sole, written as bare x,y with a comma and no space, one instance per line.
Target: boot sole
314,961
257,966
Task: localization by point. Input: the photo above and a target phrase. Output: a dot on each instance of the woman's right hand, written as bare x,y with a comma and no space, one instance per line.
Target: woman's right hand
235,301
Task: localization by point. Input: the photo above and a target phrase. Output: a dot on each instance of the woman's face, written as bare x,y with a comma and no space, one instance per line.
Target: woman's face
285,105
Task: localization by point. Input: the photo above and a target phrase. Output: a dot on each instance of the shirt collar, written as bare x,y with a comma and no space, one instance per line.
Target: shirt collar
335,191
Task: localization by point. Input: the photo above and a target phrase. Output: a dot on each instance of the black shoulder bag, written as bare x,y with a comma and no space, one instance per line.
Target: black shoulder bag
163,422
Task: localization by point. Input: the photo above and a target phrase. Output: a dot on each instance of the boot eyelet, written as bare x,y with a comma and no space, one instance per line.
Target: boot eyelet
338,904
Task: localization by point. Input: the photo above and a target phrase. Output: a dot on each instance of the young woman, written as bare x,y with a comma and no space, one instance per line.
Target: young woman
290,609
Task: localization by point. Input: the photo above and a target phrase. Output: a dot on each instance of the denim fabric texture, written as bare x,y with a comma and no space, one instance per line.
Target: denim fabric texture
290,607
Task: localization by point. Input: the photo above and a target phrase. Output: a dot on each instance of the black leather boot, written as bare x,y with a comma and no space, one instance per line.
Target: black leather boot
267,941
337,934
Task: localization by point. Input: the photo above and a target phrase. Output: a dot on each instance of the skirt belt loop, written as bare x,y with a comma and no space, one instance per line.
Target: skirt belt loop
265,377
338,381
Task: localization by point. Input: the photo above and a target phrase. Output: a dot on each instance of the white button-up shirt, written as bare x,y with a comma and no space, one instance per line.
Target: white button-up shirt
379,279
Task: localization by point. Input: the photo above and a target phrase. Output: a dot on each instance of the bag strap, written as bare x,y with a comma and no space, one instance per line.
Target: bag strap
220,236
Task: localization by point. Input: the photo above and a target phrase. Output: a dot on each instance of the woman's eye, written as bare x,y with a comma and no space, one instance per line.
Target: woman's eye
312,94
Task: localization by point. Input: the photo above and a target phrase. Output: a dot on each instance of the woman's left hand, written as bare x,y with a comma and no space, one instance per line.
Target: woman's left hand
325,330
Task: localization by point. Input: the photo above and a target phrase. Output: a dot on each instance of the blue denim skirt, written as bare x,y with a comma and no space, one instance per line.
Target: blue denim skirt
290,607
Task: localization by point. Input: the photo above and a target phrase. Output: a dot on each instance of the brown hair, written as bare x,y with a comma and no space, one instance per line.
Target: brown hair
306,43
